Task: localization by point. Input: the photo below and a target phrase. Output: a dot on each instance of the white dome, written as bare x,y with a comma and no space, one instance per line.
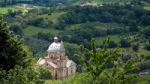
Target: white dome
54,47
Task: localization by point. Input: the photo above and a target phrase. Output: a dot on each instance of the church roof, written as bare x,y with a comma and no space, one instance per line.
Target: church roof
41,61
52,64
69,63
56,46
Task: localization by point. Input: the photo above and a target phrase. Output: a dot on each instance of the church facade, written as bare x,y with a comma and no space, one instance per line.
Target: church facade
57,62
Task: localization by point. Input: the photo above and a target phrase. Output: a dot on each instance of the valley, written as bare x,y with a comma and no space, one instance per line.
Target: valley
78,22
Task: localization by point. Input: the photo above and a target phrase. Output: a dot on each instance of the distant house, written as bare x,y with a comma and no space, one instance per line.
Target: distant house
58,63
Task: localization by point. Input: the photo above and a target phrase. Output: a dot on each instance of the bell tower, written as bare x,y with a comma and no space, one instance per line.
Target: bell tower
62,55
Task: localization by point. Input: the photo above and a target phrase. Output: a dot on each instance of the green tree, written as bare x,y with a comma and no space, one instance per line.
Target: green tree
45,73
125,43
13,51
147,46
112,44
16,28
146,31
20,75
135,47
95,63
45,36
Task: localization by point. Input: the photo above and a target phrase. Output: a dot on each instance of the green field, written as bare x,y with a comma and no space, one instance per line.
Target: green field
100,40
147,8
4,10
98,2
145,79
144,52
54,16
97,25
32,30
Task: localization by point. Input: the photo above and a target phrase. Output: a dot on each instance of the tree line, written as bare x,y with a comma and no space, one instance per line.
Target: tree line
132,16
36,2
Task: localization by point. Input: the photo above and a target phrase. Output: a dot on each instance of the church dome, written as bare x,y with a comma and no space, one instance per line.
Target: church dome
56,46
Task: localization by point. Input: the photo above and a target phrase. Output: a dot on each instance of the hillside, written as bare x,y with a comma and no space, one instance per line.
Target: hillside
72,2
126,22
72,26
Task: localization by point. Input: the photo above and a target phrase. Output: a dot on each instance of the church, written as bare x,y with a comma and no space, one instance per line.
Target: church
57,62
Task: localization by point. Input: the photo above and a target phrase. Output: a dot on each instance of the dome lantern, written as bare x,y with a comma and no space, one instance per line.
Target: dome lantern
56,46
55,39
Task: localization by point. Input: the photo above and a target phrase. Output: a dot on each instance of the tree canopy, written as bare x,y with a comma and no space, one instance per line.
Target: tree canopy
96,65
13,51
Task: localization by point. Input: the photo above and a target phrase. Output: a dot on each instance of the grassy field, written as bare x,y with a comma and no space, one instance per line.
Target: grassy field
100,40
32,30
96,25
144,52
144,78
4,10
147,8
54,16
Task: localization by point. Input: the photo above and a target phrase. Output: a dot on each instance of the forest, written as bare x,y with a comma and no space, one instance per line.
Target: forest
120,29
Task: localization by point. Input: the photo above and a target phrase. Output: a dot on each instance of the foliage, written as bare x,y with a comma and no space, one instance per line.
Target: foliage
16,28
4,10
37,50
95,63
70,50
36,2
45,36
79,25
13,51
33,31
125,43
145,65
135,47
20,75
146,31
112,44
147,46
127,15
45,73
